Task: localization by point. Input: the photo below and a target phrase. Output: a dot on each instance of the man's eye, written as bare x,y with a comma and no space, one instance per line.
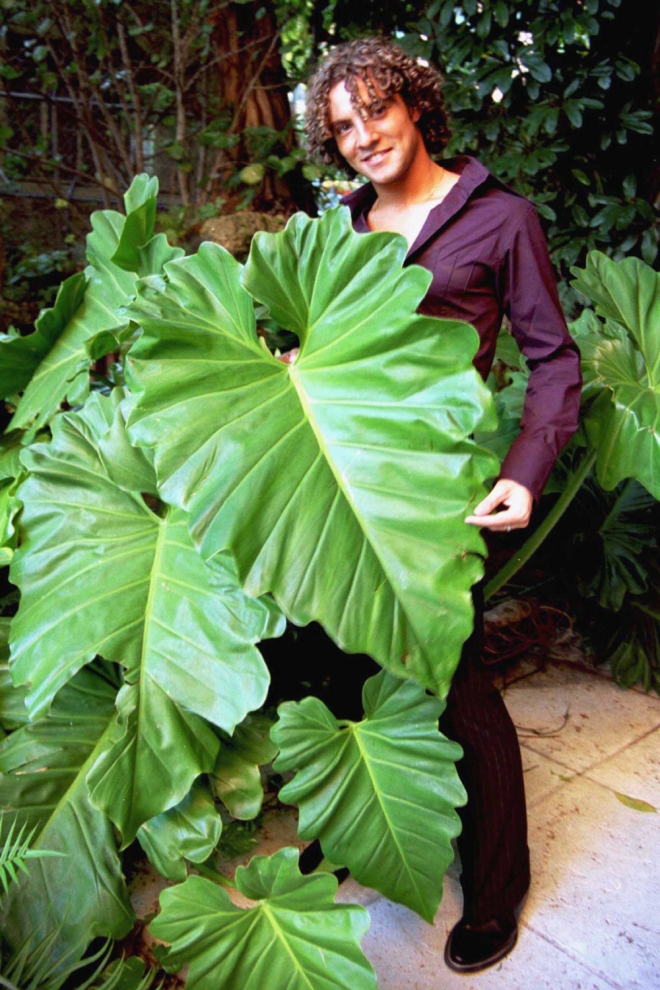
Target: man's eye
343,128
379,112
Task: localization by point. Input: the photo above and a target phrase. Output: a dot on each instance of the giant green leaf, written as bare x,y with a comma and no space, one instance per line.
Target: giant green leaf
190,831
339,482
380,794
294,936
100,572
623,423
43,769
21,355
589,332
54,361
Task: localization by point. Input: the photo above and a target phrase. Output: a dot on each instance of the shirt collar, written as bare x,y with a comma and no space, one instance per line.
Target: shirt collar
472,175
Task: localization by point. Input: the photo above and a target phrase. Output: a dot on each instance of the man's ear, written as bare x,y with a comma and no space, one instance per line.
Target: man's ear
415,114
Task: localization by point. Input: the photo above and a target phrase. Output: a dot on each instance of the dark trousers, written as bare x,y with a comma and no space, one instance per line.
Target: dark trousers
493,843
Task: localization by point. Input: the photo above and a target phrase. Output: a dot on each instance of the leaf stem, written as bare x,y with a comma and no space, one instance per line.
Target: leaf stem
214,875
536,539
615,508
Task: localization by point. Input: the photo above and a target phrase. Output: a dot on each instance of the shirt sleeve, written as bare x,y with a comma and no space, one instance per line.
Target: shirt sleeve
552,400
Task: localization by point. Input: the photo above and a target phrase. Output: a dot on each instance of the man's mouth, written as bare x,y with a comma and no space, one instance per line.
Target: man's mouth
376,157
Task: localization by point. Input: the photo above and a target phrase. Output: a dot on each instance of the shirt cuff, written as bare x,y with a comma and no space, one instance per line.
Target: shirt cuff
530,464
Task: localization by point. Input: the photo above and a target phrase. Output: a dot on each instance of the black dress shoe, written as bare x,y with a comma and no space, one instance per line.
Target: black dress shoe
312,856
471,948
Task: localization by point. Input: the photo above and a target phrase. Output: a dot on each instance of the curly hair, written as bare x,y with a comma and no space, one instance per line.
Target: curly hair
375,62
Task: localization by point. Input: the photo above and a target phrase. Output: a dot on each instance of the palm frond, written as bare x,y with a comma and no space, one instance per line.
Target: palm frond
31,965
31,970
16,850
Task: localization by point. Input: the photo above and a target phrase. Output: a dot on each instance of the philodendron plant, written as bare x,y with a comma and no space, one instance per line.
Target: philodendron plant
168,521
617,452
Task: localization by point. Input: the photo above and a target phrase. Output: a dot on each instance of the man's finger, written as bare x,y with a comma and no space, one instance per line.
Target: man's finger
499,521
488,504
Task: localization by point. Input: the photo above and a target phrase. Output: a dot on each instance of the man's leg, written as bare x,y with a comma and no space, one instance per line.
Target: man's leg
493,843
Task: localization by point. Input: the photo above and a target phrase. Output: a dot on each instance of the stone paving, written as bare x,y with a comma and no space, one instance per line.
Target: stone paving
592,918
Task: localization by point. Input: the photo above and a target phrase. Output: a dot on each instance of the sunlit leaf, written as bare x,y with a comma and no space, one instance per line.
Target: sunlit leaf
54,361
340,482
236,777
294,937
190,831
100,572
635,803
379,794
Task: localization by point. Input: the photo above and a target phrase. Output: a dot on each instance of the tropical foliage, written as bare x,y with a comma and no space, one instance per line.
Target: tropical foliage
556,97
158,532
168,516
608,478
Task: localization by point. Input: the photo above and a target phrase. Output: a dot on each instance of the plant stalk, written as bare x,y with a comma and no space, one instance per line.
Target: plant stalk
536,539
211,874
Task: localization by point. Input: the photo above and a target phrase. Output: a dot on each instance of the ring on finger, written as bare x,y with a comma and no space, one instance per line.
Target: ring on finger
508,529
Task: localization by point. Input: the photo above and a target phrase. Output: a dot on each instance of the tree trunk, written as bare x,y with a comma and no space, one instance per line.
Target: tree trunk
251,82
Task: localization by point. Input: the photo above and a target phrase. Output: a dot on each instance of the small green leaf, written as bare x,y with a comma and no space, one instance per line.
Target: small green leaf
635,803
311,172
581,176
502,13
189,831
252,175
484,24
379,794
540,70
573,112
650,246
580,216
295,936
236,778
447,13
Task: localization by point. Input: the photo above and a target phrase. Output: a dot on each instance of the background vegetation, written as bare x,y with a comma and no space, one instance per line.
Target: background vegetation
560,99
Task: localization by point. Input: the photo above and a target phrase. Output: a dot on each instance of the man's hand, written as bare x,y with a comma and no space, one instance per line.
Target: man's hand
517,501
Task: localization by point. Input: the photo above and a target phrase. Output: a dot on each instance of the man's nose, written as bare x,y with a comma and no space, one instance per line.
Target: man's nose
365,132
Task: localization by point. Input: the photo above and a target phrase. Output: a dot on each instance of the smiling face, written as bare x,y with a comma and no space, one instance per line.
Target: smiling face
381,143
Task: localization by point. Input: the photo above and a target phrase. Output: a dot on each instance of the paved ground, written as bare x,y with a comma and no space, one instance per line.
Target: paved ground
592,919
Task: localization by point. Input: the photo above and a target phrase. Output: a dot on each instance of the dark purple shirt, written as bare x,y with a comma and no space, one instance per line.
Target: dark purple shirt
486,251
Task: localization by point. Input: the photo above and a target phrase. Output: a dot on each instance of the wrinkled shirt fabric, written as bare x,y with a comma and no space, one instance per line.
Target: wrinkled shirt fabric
485,249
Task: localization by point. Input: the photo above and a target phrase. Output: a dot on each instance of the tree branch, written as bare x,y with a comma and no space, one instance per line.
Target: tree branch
135,96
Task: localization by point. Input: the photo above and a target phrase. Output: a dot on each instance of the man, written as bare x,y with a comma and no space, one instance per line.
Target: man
378,113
